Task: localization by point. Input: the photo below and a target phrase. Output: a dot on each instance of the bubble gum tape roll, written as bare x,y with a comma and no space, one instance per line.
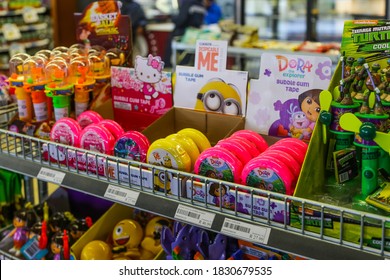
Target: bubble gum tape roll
170,154
254,137
236,148
293,151
299,144
113,127
219,163
88,117
97,138
132,145
188,144
286,158
199,138
66,131
248,145
269,175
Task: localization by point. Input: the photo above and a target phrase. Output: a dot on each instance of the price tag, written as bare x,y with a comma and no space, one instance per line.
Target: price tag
53,176
15,48
30,15
121,194
194,216
246,231
11,32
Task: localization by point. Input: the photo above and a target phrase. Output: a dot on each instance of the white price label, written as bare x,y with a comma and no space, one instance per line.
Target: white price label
246,231
53,176
194,216
11,32
30,15
121,194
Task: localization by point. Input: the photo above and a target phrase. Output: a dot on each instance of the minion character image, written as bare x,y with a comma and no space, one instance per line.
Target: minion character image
162,181
127,236
220,97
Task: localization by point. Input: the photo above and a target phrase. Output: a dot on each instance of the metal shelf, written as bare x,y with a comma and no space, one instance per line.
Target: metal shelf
24,154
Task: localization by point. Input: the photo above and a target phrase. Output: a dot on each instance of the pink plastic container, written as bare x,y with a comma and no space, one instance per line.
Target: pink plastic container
271,175
254,137
132,145
286,158
219,163
295,152
248,145
66,131
89,117
236,148
113,127
299,144
97,138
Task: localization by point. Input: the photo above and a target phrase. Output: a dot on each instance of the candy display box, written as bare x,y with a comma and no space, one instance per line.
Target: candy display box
213,125
102,229
314,184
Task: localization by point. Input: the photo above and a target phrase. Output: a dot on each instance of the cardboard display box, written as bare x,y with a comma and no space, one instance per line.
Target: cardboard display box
215,126
102,229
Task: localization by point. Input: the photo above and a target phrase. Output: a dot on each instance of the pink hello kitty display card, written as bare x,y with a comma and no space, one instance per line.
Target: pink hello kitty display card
284,101
141,94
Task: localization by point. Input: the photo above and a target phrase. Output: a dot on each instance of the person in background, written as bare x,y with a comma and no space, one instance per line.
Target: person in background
137,16
191,14
213,12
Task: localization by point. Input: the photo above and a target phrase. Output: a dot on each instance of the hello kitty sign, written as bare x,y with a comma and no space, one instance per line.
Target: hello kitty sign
141,94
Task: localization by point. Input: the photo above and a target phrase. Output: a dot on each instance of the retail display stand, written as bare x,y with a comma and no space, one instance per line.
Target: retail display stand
293,223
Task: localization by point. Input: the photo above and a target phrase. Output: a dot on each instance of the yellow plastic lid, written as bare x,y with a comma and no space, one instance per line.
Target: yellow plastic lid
198,137
188,144
169,154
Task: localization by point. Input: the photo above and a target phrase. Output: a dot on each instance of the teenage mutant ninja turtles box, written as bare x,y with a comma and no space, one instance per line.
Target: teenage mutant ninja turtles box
348,217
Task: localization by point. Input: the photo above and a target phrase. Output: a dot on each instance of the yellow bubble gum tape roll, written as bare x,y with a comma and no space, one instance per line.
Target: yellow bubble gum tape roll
198,137
188,144
170,154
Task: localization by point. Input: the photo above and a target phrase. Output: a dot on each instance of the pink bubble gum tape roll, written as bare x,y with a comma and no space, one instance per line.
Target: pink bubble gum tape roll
66,131
271,175
299,144
219,163
132,145
295,152
286,158
98,139
236,148
248,145
254,137
113,127
88,117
